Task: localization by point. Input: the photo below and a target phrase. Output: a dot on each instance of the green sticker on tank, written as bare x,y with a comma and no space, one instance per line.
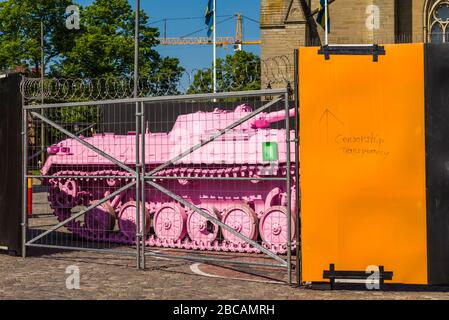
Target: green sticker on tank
270,151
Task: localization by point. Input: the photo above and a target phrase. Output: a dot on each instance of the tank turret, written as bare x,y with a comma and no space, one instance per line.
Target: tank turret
220,119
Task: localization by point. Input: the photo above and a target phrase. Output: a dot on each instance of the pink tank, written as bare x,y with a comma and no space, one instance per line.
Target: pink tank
255,208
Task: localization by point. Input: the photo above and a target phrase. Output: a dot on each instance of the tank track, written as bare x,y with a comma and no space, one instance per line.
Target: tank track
62,209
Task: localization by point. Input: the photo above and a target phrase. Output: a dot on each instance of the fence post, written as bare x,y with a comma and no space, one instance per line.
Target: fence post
24,179
142,182
138,186
289,212
297,196
136,94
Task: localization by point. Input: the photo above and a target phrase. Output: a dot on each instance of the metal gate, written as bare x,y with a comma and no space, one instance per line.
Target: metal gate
204,177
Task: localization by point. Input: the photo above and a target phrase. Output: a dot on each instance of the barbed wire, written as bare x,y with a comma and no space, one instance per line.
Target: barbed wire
278,70
275,71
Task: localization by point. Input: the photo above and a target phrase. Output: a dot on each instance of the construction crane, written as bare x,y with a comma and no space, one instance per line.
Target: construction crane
236,41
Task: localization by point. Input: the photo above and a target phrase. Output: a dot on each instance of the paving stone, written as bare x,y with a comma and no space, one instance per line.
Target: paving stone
110,276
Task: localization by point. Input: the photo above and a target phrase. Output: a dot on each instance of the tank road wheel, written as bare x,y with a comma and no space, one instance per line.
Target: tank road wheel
100,219
273,226
64,195
200,229
169,222
242,219
127,220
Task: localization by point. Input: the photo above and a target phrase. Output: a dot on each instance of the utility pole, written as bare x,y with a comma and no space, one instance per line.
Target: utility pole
136,50
215,46
42,92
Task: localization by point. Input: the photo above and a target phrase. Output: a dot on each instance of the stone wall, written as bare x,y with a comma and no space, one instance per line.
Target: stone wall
283,25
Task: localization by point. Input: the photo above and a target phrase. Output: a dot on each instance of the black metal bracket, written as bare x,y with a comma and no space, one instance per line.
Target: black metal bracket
374,50
333,275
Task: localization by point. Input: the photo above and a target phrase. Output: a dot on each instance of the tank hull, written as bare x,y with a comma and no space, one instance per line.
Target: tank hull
253,206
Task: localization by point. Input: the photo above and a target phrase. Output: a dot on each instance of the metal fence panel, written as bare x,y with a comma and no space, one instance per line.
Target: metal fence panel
206,177
220,180
81,182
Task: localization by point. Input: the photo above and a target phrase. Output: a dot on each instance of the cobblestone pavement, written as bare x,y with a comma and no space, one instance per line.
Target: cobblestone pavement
108,276
42,275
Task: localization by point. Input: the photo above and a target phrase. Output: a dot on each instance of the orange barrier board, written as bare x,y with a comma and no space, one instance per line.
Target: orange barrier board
362,150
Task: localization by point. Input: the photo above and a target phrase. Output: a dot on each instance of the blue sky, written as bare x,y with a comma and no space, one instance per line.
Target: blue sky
196,57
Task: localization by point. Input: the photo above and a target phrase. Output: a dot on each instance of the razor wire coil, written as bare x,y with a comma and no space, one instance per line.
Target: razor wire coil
272,72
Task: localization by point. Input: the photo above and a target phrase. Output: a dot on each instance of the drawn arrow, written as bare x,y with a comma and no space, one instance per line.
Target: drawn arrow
325,116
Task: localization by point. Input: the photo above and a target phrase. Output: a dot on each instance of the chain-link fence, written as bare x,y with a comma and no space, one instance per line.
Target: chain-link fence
203,177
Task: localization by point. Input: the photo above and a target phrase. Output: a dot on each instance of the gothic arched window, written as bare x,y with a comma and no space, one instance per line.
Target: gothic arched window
438,30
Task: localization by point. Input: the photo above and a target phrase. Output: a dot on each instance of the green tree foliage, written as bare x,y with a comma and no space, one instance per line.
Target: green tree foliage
104,46
238,72
20,32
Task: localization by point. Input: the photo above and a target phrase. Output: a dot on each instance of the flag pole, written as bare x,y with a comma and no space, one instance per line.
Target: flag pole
215,47
326,19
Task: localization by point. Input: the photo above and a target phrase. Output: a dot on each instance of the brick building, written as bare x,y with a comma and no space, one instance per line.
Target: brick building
288,24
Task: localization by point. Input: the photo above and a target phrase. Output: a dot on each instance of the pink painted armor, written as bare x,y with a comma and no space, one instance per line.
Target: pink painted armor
255,208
